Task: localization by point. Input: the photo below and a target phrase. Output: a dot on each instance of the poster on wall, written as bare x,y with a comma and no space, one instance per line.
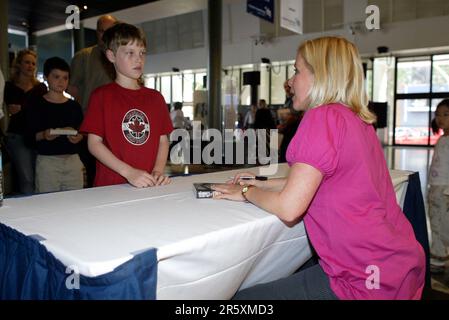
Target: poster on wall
292,15
261,8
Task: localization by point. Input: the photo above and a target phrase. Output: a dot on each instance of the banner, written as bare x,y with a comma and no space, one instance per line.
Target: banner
292,15
261,8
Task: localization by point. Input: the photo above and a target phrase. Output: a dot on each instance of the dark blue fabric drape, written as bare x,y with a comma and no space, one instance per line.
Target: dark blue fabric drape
29,271
416,214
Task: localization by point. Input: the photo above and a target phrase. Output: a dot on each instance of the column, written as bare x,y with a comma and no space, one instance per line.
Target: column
214,63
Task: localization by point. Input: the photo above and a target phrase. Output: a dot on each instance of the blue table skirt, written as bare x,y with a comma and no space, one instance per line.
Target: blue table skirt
29,271
415,212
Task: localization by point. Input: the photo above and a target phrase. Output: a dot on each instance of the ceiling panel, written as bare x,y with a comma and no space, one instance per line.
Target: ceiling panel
31,15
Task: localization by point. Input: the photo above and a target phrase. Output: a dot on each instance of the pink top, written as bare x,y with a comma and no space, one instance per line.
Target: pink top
365,243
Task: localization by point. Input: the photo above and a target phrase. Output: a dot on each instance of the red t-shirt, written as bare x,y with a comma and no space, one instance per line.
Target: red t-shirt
130,123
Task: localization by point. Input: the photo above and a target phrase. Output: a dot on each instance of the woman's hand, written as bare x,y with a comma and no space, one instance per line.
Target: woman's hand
229,191
251,182
49,137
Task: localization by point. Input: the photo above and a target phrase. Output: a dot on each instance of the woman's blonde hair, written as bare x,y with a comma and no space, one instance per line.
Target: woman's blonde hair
338,75
15,69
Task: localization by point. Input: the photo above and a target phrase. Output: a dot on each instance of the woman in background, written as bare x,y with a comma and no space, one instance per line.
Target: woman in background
20,92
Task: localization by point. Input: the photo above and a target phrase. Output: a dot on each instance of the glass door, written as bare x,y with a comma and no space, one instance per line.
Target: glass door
421,83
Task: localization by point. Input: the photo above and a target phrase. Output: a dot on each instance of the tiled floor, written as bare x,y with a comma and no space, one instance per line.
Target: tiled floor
399,158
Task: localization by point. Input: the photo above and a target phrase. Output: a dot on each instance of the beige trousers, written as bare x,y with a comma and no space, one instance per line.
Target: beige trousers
58,173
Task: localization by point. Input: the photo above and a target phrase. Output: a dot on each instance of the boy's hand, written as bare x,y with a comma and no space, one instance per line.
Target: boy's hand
75,139
14,108
48,136
161,180
140,178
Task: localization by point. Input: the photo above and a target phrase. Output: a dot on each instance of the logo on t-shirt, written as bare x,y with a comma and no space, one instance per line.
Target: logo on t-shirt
136,127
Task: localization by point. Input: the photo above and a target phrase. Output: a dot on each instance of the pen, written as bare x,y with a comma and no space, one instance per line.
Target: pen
261,178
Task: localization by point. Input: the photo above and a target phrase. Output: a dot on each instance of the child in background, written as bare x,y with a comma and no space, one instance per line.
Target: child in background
127,124
177,117
439,192
58,166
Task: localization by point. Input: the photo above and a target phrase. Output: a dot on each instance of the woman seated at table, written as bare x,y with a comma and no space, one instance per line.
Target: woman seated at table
340,185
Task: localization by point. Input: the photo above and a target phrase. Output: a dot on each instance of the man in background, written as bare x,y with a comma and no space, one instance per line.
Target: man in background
90,70
2,91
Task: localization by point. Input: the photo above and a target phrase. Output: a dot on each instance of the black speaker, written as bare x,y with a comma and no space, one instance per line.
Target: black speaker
380,110
251,78
204,82
12,56
365,68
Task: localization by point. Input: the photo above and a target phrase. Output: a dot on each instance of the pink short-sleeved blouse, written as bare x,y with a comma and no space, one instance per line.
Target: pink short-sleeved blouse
366,245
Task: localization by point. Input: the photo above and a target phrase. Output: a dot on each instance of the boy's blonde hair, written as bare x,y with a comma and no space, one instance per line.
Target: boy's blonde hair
120,34
338,75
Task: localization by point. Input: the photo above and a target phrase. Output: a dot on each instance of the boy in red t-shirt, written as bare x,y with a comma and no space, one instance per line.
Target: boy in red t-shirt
127,124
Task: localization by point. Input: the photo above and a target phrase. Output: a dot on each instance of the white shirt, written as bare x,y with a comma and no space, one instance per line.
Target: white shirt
249,119
439,169
178,120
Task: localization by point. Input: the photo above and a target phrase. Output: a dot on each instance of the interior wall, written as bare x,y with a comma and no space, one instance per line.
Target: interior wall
240,28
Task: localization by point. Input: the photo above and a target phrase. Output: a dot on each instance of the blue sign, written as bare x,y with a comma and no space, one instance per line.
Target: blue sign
261,8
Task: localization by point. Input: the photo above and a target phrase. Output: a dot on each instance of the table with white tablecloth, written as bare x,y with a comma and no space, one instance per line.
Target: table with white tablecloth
206,249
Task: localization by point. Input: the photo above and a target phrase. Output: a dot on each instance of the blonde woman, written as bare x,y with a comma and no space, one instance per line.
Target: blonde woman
339,184
20,92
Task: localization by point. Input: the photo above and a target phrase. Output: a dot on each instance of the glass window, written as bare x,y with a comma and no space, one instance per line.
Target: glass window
187,109
17,41
166,88
278,74
369,84
245,96
235,75
245,92
414,76
383,80
188,87
199,78
158,83
177,88
440,81
434,137
54,44
412,121
264,87
150,82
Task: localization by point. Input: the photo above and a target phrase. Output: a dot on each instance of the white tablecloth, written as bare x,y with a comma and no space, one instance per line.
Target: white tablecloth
207,249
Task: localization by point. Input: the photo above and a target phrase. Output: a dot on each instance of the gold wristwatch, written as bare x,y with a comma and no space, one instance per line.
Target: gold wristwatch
244,191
